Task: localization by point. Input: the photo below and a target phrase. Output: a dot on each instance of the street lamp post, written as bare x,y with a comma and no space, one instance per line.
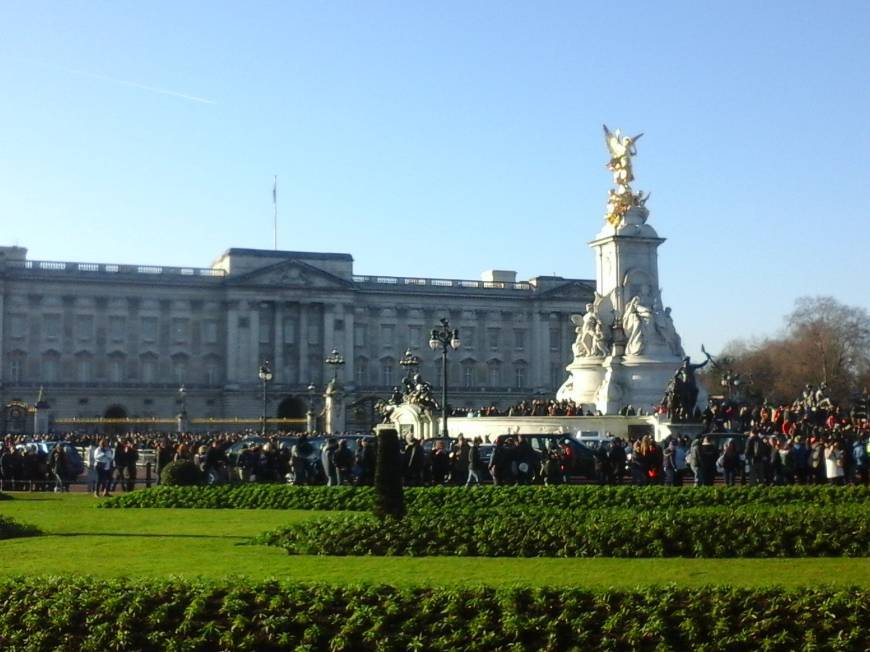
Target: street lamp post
265,375
409,362
181,417
446,339
335,360
731,382
310,416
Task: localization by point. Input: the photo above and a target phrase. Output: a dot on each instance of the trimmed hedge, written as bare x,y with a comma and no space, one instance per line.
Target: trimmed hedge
248,496
575,497
91,614
11,529
182,473
752,531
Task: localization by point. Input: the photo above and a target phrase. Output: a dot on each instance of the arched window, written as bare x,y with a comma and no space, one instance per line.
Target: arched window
387,370
116,368
84,368
361,371
520,376
149,368
51,367
179,368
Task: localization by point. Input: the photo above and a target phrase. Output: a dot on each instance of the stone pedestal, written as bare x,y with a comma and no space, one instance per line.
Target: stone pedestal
586,376
630,324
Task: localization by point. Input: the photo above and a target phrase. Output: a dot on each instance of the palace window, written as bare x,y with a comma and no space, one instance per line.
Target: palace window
361,371
85,369
492,334
387,372
149,329
519,339
359,334
388,332
180,330
210,331
117,326
84,328
52,327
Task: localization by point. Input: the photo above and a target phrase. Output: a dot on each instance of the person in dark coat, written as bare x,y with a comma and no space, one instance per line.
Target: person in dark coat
707,456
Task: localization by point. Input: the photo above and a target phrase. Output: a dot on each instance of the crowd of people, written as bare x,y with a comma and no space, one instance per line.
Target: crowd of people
810,440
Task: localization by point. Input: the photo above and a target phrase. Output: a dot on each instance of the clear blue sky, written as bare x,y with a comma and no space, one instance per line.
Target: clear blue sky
446,138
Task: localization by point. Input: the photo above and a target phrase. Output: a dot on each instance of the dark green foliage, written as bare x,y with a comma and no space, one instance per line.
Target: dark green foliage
752,531
11,529
389,499
5,496
572,497
90,614
182,473
248,496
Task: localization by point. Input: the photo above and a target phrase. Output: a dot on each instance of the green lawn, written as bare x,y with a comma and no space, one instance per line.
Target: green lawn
83,540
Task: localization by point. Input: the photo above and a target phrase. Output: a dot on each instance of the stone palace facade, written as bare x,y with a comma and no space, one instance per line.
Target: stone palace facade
118,341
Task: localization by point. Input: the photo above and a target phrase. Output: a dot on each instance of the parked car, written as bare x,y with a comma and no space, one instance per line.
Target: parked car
579,461
593,441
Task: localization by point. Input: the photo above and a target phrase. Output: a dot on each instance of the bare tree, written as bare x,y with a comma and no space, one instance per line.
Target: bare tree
824,341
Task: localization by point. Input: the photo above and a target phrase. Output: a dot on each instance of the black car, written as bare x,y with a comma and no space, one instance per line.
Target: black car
579,460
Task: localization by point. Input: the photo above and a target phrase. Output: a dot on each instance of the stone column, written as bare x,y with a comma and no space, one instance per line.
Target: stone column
328,330
278,344
302,343
232,335
349,355
251,365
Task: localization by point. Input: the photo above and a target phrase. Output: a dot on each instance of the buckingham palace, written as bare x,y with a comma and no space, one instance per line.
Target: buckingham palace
96,340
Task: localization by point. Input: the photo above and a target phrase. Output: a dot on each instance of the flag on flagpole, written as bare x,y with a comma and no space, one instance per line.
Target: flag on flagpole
275,191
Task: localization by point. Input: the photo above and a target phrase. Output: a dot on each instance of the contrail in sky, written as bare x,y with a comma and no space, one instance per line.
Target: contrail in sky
124,82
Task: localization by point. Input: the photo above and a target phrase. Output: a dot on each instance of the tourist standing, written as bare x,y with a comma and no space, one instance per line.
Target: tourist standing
104,459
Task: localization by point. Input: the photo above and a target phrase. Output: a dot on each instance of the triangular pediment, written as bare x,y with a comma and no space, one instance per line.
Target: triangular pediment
570,290
292,274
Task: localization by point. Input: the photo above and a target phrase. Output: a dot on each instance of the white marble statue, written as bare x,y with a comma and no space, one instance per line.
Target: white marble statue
665,326
637,320
591,340
599,342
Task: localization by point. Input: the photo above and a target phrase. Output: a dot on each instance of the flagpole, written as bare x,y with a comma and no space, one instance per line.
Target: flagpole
275,205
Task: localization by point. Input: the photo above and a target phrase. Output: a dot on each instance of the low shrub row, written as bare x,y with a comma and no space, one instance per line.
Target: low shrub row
11,529
276,496
89,614
751,531
247,496
5,496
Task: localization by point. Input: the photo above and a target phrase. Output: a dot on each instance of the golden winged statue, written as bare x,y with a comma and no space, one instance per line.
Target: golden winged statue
621,149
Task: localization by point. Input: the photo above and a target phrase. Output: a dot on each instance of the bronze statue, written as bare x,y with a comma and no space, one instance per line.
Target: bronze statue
682,392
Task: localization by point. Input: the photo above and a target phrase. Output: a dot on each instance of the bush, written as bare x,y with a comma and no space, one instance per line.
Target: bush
792,531
5,496
248,496
11,529
182,473
93,614
571,497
